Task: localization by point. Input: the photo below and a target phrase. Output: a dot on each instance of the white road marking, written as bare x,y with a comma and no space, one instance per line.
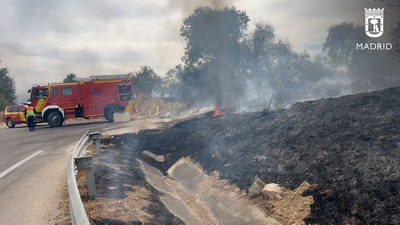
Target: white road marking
5,172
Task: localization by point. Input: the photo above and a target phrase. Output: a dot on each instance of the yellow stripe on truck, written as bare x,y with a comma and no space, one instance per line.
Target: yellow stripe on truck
40,105
129,107
22,116
42,102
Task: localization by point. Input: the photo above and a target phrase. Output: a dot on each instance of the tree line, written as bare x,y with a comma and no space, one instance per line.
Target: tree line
7,88
223,58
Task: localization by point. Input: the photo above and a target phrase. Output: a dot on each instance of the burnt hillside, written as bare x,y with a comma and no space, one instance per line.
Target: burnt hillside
349,145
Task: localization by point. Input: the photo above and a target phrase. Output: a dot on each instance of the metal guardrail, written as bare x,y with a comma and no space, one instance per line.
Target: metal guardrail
77,211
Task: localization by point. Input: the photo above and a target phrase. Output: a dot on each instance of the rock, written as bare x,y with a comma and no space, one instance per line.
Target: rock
328,194
167,115
256,188
355,210
153,157
272,191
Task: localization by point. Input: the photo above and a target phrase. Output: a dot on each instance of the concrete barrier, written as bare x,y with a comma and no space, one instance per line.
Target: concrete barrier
121,117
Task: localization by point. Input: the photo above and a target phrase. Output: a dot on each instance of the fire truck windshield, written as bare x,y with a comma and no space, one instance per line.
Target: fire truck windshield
41,93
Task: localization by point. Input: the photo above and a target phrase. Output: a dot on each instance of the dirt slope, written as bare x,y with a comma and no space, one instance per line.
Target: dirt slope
348,146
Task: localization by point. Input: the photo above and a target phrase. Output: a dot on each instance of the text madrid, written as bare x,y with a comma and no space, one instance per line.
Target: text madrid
374,46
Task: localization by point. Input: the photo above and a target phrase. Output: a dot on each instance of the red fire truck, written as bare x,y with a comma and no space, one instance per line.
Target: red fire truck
94,96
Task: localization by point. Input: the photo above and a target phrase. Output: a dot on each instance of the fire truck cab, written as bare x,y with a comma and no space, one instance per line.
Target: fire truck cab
95,96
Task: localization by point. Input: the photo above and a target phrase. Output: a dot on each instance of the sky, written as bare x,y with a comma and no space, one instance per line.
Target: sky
42,41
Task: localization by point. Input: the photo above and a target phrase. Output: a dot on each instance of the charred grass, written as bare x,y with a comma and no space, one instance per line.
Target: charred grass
348,147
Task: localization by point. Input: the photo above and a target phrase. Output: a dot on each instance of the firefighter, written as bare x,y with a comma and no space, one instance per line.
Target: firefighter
30,115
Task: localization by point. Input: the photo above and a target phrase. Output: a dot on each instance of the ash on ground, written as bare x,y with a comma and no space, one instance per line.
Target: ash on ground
348,146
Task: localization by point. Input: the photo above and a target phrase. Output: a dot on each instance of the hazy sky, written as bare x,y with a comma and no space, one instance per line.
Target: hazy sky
42,41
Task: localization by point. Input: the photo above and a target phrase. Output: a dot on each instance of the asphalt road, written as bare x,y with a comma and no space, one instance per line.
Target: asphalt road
33,169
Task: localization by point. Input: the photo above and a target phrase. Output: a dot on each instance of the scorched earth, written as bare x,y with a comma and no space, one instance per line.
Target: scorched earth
347,146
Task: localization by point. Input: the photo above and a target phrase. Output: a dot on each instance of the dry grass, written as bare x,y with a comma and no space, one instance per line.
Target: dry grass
1,117
292,208
63,218
116,211
143,104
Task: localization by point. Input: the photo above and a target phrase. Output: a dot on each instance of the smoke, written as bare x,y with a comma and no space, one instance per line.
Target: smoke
231,90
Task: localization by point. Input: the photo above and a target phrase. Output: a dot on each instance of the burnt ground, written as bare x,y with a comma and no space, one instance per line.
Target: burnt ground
347,145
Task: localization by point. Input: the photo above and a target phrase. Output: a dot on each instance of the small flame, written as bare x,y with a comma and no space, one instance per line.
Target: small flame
217,112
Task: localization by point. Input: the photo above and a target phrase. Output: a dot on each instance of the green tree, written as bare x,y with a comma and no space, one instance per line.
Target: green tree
3,102
172,82
70,78
271,62
317,69
340,44
213,45
259,54
146,80
7,87
288,63
212,34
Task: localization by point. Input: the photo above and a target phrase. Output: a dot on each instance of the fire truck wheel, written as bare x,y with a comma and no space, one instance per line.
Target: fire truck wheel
55,119
10,124
109,115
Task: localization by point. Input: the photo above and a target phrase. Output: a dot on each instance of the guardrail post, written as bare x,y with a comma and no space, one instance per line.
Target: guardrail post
96,136
91,182
86,163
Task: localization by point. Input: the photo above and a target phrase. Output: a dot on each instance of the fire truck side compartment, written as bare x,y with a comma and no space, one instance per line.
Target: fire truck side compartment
100,96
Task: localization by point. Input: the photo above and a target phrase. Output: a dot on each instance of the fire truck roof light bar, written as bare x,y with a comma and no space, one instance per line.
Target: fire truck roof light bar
104,77
39,85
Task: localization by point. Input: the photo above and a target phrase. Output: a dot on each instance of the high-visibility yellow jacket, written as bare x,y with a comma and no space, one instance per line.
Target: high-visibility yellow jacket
30,111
